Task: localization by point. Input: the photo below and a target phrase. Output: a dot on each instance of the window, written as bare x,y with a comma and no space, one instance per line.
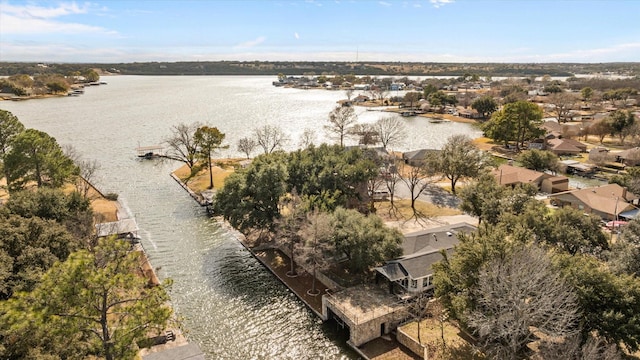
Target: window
426,281
414,283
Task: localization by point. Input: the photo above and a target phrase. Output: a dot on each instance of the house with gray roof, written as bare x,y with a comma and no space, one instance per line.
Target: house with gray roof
413,272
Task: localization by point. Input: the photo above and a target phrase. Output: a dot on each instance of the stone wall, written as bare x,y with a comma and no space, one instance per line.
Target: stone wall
406,340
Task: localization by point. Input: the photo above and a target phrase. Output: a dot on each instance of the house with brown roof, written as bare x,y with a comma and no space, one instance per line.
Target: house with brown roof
610,202
566,146
629,157
509,175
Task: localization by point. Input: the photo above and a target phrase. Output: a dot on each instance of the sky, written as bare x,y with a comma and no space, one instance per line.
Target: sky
506,31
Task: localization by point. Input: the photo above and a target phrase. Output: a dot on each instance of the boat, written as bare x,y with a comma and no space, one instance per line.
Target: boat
408,113
437,120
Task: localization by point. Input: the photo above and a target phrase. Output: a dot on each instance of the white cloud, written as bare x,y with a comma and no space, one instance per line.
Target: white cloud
295,34
440,3
30,19
251,43
384,3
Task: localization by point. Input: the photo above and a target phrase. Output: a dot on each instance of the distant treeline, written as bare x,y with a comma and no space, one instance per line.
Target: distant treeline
327,68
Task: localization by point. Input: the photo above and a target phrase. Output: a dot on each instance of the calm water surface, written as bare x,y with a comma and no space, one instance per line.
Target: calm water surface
231,306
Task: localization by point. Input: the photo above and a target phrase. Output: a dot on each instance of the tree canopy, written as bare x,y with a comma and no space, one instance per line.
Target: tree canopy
364,240
36,156
208,140
95,303
518,122
459,158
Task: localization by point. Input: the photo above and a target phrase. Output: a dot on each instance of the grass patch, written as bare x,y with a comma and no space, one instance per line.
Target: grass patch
404,211
200,181
431,335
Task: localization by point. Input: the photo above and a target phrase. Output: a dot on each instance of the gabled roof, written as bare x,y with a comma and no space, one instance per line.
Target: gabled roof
633,153
566,145
609,199
510,175
421,250
419,154
552,125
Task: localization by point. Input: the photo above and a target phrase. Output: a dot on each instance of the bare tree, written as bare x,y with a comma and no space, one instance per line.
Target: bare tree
418,309
307,138
246,145
391,180
270,138
288,229
391,131
87,178
366,134
417,179
573,348
563,103
520,299
341,121
182,145
87,170
349,94
317,248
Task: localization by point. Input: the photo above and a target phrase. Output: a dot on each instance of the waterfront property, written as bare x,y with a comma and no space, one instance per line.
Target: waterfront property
509,175
610,202
413,273
370,311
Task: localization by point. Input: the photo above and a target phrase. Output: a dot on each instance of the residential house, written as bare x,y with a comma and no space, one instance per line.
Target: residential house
610,202
418,157
629,157
566,146
509,175
413,272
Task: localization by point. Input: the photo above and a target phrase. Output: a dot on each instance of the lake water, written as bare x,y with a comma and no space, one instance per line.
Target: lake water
229,304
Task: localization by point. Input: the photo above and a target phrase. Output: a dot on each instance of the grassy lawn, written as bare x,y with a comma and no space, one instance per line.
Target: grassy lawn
431,333
404,211
200,181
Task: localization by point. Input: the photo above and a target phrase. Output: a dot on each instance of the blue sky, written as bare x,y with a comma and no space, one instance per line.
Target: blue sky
314,30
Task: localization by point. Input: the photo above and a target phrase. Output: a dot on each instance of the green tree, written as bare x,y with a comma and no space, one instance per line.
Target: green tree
571,231
620,121
459,157
100,295
625,253
428,90
317,248
209,140
36,156
90,75
586,93
57,85
69,209
364,240
518,121
250,198
539,160
610,302
328,175
481,198
485,105
32,246
10,127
